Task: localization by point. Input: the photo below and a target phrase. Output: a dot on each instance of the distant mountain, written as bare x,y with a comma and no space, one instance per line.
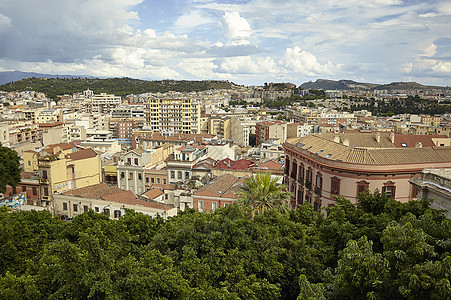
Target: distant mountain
325,84
407,86
11,76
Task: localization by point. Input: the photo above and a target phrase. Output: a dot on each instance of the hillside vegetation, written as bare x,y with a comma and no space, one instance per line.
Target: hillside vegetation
381,249
53,87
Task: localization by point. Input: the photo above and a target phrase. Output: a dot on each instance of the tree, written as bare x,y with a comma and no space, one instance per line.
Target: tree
261,193
9,168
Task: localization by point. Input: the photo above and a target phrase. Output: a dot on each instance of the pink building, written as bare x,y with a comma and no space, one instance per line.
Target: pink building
319,167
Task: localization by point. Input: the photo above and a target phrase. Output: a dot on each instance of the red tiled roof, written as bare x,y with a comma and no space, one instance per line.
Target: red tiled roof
153,193
82,154
412,140
127,197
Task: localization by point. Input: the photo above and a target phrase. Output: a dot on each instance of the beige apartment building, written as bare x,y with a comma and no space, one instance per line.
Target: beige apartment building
171,116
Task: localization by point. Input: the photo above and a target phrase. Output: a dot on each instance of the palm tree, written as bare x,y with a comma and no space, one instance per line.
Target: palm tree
260,193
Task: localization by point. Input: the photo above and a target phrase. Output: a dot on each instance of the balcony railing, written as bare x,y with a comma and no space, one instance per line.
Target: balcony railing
293,175
308,184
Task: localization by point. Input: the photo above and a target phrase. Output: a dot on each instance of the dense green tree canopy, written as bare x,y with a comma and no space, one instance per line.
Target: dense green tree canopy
399,251
9,168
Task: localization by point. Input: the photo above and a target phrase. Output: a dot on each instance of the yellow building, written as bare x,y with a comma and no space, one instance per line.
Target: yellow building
60,172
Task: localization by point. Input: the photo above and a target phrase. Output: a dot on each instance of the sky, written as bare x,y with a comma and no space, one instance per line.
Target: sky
246,42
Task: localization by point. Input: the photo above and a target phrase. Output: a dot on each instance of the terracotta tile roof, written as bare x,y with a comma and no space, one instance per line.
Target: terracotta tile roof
163,187
153,193
82,154
412,140
241,164
221,186
94,191
127,197
321,147
270,165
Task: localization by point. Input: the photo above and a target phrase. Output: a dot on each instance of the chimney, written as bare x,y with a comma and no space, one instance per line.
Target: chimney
392,137
346,142
419,145
378,137
337,139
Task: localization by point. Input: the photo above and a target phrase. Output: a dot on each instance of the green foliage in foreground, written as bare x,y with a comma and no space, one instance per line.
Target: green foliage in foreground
397,251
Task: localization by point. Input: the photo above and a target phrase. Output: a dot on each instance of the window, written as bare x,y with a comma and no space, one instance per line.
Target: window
85,208
106,211
319,181
140,176
389,189
122,175
335,186
129,160
29,163
147,179
34,190
96,209
24,188
362,186
152,180
136,163
14,190
172,174
44,174
130,176
158,180
214,206
64,206
46,191
117,213
186,175
164,180
179,174
200,206
75,206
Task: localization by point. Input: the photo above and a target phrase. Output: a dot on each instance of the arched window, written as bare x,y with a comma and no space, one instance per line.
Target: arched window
389,188
335,186
362,186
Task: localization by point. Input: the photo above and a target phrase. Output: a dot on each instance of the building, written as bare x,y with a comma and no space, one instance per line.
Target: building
102,103
109,200
321,166
180,166
65,169
171,116
270,130
29,185
221,191
434,184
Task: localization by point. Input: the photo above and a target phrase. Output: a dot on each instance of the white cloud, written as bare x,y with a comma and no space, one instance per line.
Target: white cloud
237,30
190,20
5,22
132,58
430,50
407,68
245,64
306,63
199,67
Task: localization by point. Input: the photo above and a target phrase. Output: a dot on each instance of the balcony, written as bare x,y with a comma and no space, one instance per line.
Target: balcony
308,185
293,175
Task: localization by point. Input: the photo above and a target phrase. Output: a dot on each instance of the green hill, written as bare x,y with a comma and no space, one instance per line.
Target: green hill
53,87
